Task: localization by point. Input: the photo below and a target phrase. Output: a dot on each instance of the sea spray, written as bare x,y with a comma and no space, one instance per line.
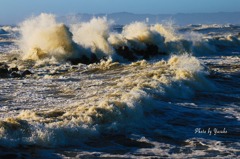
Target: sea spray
93,35
139,35
42,37
167,31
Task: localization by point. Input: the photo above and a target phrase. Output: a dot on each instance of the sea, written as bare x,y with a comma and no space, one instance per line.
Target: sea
96,89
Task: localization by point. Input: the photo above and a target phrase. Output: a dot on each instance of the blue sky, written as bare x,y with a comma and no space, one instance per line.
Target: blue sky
14,11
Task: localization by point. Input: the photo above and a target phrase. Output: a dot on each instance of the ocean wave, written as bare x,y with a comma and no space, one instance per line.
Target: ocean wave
88,42
120,103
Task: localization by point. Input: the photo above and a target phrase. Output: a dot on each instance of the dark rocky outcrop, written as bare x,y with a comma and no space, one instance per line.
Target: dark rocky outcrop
84,60
15,74
126,53
26,72
7,72
133,54
14,69
4,70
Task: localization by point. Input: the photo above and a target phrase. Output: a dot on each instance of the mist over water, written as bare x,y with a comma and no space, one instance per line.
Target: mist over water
94,89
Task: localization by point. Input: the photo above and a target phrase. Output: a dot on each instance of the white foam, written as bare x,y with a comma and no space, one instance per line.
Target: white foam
42,37
94,35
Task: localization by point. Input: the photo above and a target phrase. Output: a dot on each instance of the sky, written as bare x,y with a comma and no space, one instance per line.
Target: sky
14,11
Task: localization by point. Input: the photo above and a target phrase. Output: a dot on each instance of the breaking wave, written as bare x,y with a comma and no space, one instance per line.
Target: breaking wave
116,106
93,35
42,37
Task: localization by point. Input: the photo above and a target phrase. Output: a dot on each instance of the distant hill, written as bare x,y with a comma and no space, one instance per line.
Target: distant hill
180,18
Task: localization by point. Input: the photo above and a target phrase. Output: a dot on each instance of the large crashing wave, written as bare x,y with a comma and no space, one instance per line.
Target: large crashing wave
94,35
42,37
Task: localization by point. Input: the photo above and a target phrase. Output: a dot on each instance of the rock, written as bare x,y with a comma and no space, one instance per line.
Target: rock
84,59
26,72
4,65
75,61
126,53
14,59
6,72
15,75
3,70
13,69
132,54
151,50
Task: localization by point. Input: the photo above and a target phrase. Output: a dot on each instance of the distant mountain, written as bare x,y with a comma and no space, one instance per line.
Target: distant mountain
180,18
